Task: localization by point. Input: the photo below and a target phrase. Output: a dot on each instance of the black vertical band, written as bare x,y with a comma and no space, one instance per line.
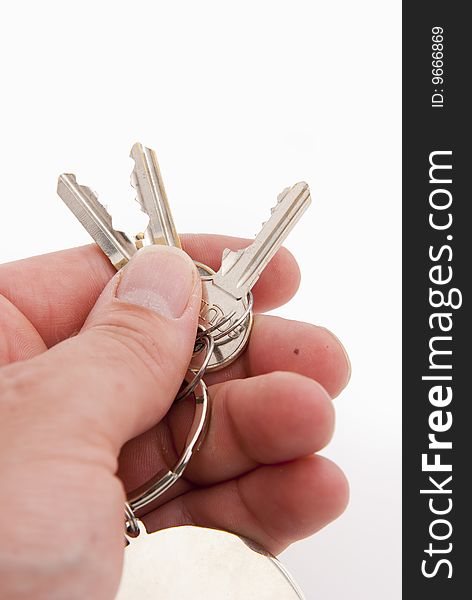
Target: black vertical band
437,267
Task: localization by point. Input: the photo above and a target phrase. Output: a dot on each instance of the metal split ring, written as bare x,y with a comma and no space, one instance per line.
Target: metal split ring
131,522
159,484
216,326
208,341
209,330
239,322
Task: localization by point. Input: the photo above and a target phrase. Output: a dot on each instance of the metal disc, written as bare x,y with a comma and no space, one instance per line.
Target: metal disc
195,563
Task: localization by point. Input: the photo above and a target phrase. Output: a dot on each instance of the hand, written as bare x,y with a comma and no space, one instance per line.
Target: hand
70,405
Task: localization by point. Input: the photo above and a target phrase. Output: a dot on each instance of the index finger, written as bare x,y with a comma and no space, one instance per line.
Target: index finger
56,291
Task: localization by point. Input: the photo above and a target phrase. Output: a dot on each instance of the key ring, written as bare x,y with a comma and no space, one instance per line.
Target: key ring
131,522
217,326
240,321
207,341
151,490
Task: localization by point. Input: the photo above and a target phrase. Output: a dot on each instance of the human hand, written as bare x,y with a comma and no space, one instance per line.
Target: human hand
70,405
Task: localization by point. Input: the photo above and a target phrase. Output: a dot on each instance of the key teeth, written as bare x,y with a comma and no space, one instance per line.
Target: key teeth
137,147
132,175
284,192
303,184
282,195
85,188
133,179
93,194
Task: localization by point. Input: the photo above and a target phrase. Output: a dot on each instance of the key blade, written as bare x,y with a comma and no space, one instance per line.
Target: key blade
240,270
95,218
147,180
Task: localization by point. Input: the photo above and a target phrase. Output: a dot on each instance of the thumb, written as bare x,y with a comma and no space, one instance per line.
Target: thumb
124,369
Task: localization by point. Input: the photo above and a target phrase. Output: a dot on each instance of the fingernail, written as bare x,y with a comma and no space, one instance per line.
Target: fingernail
159,277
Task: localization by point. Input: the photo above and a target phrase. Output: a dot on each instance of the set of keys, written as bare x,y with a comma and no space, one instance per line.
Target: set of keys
225,324
226,295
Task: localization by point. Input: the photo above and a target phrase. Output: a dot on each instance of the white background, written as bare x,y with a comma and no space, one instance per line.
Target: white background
239,99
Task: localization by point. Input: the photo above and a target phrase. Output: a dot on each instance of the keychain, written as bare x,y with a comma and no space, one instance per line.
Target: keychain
189,561
195,562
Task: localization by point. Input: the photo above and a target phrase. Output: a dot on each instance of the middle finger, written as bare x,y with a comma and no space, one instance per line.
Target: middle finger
278,344
261,420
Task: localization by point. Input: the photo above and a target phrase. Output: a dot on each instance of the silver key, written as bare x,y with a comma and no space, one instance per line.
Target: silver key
151,195
147,180
227,291
84,203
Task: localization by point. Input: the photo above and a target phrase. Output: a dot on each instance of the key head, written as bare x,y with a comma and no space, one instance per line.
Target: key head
217,305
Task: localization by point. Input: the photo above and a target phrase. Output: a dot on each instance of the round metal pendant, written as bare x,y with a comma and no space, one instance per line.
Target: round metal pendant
195,563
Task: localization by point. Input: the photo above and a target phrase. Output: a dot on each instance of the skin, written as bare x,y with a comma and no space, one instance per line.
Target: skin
85,383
